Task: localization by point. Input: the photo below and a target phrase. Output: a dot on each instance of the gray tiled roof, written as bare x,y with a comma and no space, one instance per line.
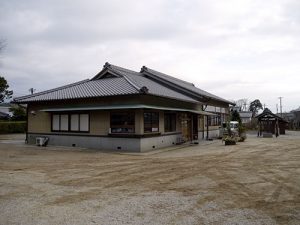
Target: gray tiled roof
121,82
84,89
182,84
153,87
245,114
296,110
267,113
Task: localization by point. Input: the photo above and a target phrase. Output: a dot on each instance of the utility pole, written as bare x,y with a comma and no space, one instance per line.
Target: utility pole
280,105
276,108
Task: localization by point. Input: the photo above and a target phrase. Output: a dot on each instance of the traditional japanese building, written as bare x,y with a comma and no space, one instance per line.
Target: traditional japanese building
121,109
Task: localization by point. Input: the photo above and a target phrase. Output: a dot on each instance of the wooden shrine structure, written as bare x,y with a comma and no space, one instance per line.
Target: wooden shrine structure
269,122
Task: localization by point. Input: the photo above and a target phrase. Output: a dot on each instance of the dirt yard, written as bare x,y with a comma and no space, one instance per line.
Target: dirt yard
255,182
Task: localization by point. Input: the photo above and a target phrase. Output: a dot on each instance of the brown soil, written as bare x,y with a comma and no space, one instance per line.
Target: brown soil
255,182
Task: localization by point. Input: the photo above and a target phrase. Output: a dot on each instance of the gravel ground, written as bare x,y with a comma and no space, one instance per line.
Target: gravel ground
255,182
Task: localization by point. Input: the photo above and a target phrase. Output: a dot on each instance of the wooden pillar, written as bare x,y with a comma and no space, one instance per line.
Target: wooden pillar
207,131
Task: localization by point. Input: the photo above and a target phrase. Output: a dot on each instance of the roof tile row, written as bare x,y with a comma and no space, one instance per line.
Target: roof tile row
125,83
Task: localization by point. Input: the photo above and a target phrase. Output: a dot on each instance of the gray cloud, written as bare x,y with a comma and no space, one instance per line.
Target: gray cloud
219,45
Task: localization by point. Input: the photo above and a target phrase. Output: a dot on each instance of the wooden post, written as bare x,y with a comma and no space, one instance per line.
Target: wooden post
207,132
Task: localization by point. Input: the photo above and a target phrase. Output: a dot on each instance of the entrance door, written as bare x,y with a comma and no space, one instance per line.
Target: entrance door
189,126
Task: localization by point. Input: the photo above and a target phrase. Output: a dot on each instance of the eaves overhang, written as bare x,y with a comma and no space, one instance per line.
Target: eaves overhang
116,107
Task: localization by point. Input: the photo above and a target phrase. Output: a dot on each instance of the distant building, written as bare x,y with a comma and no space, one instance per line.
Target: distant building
293,117
246,117
5,112
4,116
5,109
296,121
289,117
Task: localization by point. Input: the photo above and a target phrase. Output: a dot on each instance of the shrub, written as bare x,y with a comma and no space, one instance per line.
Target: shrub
13,127
230,140
242,138
19,113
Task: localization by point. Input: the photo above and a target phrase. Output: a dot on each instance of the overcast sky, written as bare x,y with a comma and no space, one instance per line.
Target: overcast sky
234,48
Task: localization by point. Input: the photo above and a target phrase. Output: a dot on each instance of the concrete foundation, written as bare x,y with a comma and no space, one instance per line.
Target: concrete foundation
109,143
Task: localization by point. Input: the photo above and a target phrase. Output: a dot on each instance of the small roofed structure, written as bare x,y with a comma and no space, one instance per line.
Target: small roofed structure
270,123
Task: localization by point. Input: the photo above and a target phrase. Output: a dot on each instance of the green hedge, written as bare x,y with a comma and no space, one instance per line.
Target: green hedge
12,127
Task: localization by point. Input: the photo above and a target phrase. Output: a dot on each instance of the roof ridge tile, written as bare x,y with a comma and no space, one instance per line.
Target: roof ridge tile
144,68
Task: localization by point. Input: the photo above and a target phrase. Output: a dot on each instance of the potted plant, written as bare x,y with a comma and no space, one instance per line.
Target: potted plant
242,133
229,140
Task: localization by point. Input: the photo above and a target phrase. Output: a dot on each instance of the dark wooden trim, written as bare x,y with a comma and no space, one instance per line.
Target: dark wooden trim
171,133
69,122
79,134
151,111
149,135
145,135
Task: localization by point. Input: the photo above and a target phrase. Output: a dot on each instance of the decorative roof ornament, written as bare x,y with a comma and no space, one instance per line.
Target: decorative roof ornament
106,65
144,90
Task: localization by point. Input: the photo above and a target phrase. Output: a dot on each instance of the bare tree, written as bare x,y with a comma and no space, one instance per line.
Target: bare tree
242,104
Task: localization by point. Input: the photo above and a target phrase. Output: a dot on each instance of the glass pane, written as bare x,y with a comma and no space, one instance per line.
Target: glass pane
170,122
122,118
55,122
122,122
64,122
74,122
151,122
84,122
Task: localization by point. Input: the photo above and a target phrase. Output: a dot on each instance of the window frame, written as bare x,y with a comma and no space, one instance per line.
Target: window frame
69,122
173,116
215,120
130,126
152,113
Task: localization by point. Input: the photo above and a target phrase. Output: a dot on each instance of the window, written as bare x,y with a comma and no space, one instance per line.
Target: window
70,122
170,122
74,122
55,122
64,122
122,122
60,122
214,120
151,122
84,122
